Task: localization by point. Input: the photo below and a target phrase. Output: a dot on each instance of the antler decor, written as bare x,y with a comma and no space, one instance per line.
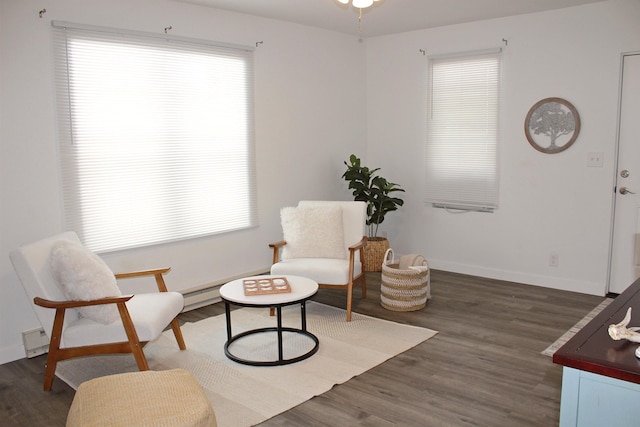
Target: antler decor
619,331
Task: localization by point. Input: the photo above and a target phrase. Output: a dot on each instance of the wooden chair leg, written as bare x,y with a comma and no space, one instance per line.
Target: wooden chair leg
132,335
175,325
141,359
349,298
363,276
54,348
49,371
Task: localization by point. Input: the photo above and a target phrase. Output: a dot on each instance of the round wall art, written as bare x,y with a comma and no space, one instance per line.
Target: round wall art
552,125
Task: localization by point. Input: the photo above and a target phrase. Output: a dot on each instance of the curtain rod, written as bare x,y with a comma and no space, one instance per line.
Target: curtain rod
466,53
70,25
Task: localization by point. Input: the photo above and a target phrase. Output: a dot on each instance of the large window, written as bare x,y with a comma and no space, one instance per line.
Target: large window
156,137
462,145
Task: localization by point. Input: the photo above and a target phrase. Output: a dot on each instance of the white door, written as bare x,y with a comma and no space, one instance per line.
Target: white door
625,249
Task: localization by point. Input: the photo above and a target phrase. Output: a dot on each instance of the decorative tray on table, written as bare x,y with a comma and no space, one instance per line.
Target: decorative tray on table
266,285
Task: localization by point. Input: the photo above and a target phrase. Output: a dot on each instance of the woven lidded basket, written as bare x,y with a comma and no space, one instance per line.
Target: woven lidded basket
404,289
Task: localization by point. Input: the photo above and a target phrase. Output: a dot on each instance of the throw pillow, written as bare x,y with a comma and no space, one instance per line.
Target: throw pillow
313,232
83,276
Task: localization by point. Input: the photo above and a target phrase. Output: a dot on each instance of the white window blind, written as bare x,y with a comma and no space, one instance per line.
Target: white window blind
156,137
462,146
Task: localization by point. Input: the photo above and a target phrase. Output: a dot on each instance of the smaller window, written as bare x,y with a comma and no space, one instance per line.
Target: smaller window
462,143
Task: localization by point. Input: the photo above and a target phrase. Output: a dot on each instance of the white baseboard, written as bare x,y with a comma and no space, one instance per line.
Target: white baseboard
11,353
563,284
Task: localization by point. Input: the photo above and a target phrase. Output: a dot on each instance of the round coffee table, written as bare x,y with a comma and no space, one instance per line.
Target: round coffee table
302,289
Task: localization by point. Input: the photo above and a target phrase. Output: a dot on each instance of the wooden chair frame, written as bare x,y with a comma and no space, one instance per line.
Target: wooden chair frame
133,345
353,280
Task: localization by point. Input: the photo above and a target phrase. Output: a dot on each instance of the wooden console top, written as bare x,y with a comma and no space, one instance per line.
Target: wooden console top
592,350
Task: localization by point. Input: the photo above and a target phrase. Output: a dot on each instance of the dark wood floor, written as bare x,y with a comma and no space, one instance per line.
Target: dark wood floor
484,368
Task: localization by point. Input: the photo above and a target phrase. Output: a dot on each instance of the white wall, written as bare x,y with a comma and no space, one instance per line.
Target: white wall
310,115
547,202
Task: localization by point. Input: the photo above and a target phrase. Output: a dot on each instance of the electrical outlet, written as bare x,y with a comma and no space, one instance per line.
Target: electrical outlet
595,159
553,259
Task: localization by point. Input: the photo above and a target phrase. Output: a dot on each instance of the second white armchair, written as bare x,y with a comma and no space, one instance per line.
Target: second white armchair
324,241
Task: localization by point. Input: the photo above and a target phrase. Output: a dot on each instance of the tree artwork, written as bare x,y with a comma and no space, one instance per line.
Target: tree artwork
552,118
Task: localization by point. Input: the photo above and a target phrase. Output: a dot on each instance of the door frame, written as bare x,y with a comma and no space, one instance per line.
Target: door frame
615,166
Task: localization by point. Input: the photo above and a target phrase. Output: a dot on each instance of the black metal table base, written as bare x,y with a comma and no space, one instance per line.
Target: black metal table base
279,329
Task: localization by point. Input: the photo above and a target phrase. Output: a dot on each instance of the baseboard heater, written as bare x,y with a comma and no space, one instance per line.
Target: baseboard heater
209,293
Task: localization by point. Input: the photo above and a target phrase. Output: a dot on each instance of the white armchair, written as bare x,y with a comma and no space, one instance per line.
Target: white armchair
138,318
323,240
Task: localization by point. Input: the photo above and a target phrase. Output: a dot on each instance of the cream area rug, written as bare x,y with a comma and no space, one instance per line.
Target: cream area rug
575,328
247,395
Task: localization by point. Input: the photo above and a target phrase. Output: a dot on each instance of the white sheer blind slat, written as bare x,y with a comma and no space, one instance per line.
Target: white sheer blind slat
461,154
156,140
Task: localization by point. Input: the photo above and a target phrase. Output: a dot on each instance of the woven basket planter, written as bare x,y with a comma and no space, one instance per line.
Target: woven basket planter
404,290
374,254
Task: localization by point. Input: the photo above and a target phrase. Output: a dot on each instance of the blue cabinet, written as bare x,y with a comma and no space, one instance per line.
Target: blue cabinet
601,376
592,400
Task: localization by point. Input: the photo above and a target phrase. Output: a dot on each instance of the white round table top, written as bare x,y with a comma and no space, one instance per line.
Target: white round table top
301,288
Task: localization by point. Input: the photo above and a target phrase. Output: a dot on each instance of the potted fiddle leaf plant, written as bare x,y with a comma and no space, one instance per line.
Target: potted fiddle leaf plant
377,193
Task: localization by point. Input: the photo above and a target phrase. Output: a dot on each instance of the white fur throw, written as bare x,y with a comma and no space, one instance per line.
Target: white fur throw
313,232
83,276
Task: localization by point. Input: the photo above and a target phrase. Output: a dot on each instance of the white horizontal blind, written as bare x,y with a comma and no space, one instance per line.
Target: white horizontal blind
156,137
462,145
